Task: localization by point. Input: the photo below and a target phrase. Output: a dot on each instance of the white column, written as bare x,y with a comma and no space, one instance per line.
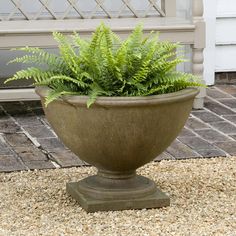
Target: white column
197,50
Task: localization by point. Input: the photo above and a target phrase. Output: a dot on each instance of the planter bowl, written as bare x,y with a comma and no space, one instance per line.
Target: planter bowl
117,135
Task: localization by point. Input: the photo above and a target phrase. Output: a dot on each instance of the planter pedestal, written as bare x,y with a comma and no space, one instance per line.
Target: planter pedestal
117,191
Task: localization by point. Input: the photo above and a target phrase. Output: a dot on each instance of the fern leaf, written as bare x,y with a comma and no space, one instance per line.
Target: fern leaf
31,73
62,78
67,52
95,91
38,56
55,94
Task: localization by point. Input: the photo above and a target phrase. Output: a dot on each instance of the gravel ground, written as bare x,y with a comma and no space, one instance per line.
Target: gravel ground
202,191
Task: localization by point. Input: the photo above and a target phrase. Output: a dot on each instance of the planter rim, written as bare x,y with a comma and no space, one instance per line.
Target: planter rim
181,95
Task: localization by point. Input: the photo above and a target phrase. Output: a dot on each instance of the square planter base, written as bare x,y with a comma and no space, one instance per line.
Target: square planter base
89,204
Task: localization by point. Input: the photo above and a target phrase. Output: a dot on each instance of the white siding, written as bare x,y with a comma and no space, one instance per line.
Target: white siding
226,31
226,8
226,36
225,58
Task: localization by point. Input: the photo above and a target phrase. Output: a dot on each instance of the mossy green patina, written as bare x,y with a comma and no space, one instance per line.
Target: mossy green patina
118,135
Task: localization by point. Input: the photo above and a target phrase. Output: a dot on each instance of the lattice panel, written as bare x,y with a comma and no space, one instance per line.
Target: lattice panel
78,9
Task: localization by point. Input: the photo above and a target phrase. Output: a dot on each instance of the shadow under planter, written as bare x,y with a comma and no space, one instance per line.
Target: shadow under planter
117,135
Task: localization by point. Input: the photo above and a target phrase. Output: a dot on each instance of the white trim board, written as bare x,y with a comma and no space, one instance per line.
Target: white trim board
18,95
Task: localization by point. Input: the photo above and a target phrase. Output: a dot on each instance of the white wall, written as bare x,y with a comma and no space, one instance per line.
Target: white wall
225,36
220,52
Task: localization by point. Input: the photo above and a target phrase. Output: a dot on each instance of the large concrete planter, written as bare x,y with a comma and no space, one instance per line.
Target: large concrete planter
117,135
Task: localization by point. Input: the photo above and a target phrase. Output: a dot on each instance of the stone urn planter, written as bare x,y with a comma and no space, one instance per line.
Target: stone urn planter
117,135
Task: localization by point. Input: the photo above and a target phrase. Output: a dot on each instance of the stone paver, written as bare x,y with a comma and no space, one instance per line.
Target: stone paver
30,153
231,118
230,89
164,156
38,165
212,135
39,131
218,108
211,153
186,133
195,124
196,143
233,136
231,102
10,163
65,158
9,126
225,127
181,151
51,143
27,120
4,148
217,94
207,116
28,142
229,147
17,140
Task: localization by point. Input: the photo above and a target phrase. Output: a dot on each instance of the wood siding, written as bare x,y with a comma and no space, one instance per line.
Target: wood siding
226,36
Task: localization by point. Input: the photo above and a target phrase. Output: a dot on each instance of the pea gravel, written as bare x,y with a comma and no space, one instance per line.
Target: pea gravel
202,191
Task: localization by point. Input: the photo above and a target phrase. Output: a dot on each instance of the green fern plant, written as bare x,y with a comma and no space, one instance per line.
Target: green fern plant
106,66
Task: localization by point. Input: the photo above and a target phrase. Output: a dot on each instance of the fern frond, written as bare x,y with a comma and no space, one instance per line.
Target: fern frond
160,89
95,91
38,56
31,73
55,94
62,78
108,56
82,44
68,52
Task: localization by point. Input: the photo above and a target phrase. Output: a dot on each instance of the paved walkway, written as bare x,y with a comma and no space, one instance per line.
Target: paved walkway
27,141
